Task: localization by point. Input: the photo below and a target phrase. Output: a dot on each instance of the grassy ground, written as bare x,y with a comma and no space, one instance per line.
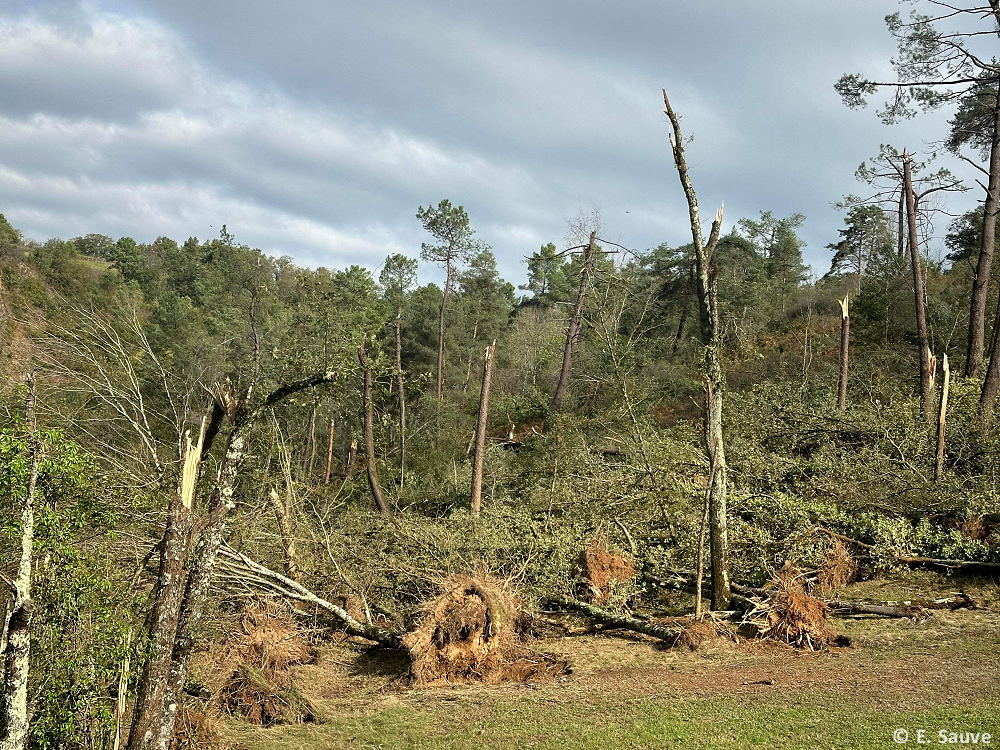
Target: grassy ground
628,693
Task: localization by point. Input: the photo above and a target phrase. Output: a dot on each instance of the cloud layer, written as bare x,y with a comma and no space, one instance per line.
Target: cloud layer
315,129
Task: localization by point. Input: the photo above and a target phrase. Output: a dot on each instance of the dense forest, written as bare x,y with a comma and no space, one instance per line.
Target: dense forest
196,433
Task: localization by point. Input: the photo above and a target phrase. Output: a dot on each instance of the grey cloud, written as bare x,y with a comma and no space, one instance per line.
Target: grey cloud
317,128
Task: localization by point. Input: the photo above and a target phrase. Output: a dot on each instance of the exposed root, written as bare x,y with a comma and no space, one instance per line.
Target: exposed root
791,615
601,570
259,698
837,569
471,634
261,647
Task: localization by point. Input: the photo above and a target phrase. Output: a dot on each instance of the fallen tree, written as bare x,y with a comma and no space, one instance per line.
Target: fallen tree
612,621
965,567
742,594
236,569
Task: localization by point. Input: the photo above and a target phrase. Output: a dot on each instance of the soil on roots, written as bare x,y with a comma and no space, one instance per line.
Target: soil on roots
601,570
472,633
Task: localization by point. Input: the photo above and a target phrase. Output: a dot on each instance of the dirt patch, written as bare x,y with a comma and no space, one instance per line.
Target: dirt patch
472,633
602,570
696,634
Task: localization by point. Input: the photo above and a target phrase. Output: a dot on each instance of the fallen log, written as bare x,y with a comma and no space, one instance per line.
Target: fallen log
236,568
610,620
967,567
742,594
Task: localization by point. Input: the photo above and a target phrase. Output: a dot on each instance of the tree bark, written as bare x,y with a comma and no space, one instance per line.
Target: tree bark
711,339
329,452
573,329
164,711
484,402
942,419
402,396
987,245
923,341
901,231
845,338
14,718
369,409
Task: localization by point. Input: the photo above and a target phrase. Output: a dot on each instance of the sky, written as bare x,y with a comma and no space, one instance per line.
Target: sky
316,129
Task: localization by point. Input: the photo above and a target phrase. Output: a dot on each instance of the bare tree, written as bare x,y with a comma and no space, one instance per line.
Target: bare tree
716,383
14,718
480,438
158,712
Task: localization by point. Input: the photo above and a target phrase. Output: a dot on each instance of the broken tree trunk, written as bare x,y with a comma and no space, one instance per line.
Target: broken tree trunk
611,620
480,439
573,329
203,563
284,515
369,409
942,419
741,599
971,567
845,337
923,341
239,570
174,549
14,718
712,341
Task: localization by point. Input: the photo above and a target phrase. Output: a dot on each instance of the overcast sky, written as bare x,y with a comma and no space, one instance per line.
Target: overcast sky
316,128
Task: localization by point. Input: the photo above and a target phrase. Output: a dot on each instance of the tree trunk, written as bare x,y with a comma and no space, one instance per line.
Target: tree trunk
369,409
285,517
329,452
987,244
680,327
926,392
14,719
612,620
402,396
845,338
484,401
942,419
163,712
573,329
440,358
708,309
310,452
901,232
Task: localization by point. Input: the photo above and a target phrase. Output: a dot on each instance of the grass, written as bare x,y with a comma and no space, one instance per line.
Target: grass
674,722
